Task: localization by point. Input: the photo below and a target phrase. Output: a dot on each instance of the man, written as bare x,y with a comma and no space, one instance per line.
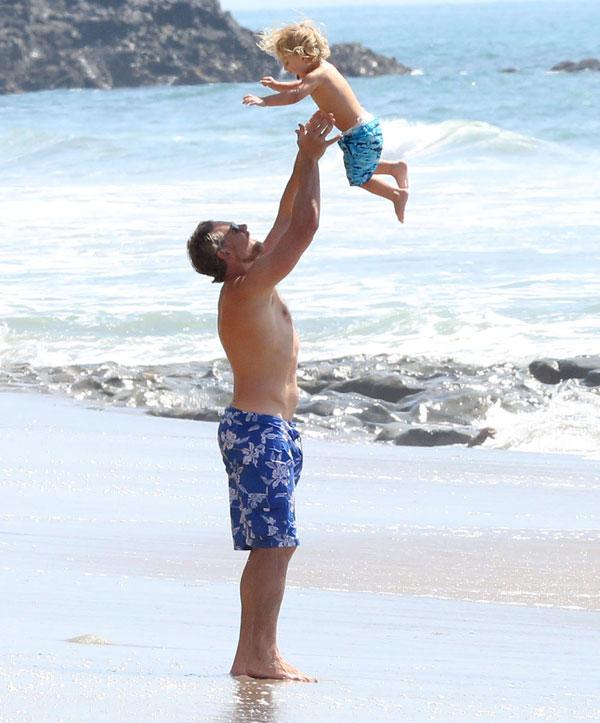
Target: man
260,445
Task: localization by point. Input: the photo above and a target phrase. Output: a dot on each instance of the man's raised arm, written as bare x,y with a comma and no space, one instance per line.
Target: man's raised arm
286,205
304,194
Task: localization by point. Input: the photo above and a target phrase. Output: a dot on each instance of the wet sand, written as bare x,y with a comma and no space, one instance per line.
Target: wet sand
114,525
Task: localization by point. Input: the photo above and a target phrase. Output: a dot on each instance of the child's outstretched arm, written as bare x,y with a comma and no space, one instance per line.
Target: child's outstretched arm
279,85
301,89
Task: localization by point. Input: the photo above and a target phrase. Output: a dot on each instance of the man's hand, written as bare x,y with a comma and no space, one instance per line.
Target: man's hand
252,100
267,81
312,137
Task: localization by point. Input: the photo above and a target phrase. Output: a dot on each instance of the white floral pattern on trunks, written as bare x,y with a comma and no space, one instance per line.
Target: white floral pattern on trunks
255,499
280,474
268,433
252,452
272,528
229,439
229,417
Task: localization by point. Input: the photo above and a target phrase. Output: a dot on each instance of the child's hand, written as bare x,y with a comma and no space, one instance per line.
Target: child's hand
267,81
252,100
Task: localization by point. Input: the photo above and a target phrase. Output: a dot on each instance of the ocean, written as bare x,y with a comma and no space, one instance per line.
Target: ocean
498,263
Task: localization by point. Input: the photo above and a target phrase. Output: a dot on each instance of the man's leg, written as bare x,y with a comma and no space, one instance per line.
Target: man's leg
261,591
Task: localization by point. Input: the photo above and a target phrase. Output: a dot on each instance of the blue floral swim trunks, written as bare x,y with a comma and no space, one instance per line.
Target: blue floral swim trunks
262,454
362,146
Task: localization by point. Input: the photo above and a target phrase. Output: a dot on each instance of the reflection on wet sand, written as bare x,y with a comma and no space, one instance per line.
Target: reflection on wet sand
253,701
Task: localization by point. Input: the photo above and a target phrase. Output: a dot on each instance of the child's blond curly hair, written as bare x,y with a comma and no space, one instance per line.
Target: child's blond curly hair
302,38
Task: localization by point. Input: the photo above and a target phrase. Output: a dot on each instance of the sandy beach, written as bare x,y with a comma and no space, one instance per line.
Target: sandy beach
446,584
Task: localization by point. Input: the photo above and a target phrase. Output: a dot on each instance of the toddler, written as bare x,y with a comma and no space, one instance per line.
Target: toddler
303,51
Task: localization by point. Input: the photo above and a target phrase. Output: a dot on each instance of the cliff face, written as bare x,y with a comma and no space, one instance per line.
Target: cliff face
116,43
46,44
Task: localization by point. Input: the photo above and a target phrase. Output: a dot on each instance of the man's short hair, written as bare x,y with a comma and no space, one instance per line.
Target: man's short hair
202,248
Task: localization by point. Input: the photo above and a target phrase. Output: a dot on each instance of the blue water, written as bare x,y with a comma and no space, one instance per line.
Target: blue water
498,260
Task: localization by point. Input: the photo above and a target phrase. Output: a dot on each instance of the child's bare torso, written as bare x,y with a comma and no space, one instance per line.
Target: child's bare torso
333,94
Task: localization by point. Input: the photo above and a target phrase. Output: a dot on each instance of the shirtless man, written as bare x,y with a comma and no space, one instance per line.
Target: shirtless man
260,445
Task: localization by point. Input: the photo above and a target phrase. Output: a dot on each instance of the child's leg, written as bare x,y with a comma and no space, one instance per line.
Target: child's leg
398,196
397,169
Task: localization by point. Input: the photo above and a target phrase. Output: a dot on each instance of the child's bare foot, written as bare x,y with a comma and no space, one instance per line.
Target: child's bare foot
400,199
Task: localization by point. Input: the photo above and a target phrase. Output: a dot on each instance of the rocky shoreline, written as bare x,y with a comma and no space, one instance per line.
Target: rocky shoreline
51,44
383,398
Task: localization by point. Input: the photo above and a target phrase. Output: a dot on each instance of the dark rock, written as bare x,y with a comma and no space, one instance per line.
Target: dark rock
207,415
47,44
312,386
592,379
568,66
115,382
389,388
565,66
390,432
87,385
353,59
481,436
320,407
553,371
198,415
545,370
431,437
578,367
376,414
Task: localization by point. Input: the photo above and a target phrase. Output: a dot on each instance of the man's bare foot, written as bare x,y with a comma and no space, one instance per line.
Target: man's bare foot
274,669
400,199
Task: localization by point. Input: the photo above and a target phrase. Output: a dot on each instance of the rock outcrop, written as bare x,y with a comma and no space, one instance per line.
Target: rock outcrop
569,66
119,43
429,436
553,371
390,388
353,59
48,44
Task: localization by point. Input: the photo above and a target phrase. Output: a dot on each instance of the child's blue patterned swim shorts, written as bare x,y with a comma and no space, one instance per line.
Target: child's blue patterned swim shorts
362,146
263,459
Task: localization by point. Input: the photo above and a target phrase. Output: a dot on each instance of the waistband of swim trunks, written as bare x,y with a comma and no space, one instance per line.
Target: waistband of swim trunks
270,418
361,121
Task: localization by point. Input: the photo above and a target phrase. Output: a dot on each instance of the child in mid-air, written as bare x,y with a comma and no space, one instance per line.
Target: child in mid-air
303,51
